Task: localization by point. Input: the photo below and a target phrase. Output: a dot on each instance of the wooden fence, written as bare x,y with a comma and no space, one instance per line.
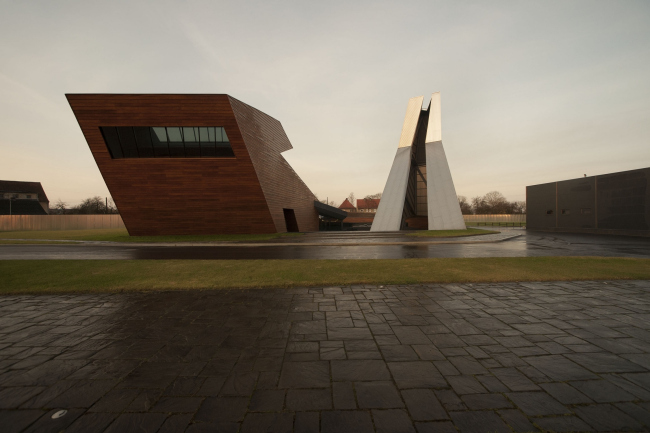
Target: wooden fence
59,222
513,218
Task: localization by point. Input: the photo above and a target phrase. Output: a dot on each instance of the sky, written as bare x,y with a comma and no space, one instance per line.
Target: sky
532,92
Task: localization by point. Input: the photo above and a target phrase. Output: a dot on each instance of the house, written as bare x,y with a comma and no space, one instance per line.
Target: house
368,204
23,198
347,206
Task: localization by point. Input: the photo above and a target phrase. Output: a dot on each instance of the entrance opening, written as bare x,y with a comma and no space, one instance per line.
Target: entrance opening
290,220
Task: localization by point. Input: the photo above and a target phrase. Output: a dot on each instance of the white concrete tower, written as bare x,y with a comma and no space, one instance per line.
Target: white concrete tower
420,164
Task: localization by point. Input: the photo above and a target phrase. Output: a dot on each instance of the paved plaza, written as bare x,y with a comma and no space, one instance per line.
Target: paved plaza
570,356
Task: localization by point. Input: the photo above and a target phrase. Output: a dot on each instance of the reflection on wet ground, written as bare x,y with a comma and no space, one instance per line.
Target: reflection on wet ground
530,244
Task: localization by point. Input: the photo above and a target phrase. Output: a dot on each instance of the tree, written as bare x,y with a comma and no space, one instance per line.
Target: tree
60,207
373,196
465,207
95,205
519,207
497,203
352,199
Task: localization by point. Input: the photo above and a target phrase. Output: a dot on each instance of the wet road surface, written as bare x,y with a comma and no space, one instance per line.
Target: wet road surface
530,244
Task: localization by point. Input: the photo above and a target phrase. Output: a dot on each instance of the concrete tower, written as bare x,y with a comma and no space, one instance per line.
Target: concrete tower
419,184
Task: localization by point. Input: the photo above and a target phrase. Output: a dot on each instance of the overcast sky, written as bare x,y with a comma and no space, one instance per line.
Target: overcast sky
532,92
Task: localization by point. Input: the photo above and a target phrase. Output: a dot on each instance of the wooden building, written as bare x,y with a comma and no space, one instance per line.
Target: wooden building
194,164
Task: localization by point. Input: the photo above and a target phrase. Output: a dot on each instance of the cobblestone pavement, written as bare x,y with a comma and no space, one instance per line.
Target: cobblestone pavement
474,358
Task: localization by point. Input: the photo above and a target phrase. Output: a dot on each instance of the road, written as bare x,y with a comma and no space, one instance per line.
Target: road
529,244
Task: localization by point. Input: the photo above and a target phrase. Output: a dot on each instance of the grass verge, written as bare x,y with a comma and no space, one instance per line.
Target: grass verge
121,235
65,276
451,233
495,224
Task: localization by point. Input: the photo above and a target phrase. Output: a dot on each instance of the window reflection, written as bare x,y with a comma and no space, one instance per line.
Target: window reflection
169,141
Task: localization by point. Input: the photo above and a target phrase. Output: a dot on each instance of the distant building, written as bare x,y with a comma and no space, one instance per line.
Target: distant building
615,203
368,205
347,206
23,198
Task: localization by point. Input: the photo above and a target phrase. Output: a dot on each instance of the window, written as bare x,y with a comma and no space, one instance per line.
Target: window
566,211
29,196
549,212
167,142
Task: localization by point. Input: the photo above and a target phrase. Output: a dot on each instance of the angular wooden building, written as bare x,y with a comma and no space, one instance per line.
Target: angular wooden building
194,164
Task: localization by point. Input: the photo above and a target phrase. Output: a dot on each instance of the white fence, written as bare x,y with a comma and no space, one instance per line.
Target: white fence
513,218
59,222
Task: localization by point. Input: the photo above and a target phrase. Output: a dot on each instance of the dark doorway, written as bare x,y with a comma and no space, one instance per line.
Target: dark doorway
290,220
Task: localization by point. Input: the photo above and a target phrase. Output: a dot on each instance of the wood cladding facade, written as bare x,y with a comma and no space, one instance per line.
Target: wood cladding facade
208,195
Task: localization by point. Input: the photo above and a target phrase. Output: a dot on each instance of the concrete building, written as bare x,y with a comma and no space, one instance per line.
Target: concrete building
419,186
615,203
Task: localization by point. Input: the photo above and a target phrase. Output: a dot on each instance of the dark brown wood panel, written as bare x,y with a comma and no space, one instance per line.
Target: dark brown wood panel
158,196
265,139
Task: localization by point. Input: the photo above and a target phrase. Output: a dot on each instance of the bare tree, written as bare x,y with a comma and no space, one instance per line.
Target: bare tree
60,207
373,196
519,207
465,207
352,199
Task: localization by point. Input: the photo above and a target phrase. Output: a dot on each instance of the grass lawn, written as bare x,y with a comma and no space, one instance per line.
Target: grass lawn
121,235
65,276
451,233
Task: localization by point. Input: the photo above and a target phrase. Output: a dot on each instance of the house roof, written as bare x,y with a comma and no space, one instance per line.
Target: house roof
24,188
358,220
346,205
371,203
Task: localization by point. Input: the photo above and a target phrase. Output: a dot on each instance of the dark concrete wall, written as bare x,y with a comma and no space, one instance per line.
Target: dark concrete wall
616,201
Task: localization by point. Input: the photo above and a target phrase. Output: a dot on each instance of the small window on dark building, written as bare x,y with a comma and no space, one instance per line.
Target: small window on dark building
566,211
585,211
549,212
29,196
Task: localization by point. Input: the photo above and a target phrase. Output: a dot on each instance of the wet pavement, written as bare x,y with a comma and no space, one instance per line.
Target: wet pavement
529,244
500,357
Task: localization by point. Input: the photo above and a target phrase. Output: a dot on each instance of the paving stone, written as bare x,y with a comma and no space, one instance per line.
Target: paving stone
605,417
563,424
346,421
605,363
392,421
309,399
486,401
222,409
565,393
141,422
559,368
479,422
377,395
357,370
91,422
416,374
537,403
435,427
466,385
305,374
467,365
423,405
602,391
307,422
268,422
517,420
343,395
267,400
175,423
399,353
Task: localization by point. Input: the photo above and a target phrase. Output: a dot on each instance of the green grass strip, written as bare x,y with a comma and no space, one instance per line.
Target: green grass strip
66,276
